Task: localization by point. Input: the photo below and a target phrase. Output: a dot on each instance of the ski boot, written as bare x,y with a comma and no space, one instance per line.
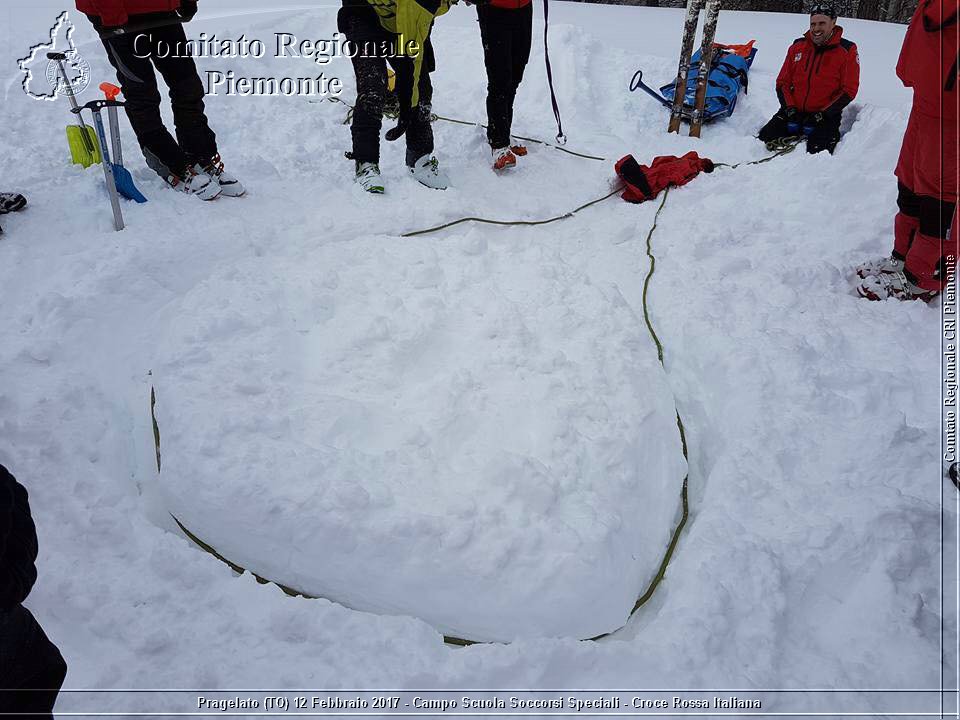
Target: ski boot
368,177
11,202
504,159
230,186
427,172
880,266
892,285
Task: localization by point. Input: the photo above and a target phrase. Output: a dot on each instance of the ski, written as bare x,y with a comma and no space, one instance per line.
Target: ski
686,50
706,60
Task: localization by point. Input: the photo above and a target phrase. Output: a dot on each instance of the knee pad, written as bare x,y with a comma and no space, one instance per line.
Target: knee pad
907,201
936,216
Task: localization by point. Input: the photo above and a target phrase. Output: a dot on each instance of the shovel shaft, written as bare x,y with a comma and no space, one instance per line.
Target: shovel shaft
115,135
108,172
68,88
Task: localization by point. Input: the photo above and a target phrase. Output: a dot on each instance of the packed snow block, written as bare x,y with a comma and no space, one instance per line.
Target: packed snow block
477,437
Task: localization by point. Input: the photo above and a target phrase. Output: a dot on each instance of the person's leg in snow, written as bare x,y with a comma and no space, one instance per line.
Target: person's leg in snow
926,172
196,139
190,162
32,669
419,128
506,35
138,81
359,24
824,134
776,129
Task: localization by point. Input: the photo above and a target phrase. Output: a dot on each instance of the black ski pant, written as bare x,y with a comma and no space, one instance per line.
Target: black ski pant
374,48
825,135
506,36
134,57
31,667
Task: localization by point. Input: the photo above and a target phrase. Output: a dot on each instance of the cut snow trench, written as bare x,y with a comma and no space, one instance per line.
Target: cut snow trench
485,629
448,625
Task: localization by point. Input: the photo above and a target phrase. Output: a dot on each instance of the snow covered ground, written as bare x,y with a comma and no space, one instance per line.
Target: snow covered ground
812,554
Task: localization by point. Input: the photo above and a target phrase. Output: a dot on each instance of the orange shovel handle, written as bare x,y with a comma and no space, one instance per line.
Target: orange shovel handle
110,90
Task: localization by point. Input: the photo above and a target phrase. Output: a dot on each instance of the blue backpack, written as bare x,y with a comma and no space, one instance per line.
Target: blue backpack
728,73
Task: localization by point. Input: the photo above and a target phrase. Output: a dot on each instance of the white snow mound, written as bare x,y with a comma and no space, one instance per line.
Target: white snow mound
473,435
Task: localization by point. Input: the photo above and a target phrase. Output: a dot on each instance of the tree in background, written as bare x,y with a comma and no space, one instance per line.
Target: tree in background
887,10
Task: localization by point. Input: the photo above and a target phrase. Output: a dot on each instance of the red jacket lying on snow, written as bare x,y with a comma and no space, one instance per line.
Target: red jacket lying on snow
113,13
645,183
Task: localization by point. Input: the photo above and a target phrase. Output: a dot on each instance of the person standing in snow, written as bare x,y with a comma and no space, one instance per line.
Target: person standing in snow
398,32
11,202
928,165
819,78
138,36
31,667
506,30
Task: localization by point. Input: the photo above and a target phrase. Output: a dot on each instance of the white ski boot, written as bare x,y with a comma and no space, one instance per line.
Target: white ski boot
196,181
368,177
892,285
879,266
230,186
427,172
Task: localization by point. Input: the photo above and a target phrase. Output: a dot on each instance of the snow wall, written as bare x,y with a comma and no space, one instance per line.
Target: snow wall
419,428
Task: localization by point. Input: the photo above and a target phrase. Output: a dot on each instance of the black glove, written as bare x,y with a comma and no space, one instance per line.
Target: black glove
790,113
815,118
395,133
188,8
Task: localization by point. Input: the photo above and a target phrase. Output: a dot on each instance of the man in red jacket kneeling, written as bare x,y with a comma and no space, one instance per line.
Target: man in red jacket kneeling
140,35
819,78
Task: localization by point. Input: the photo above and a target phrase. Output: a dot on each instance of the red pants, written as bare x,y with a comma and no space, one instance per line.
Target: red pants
927,172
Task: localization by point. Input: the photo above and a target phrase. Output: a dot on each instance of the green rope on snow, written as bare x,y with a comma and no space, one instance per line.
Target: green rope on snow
779,147
526,223
394,114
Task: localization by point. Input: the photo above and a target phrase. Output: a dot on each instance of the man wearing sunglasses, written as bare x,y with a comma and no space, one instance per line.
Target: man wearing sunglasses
819,78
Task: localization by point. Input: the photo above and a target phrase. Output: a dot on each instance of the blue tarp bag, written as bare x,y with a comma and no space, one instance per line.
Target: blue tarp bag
729,70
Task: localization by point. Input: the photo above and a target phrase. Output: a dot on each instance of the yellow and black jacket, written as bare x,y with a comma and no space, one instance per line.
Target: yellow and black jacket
410,20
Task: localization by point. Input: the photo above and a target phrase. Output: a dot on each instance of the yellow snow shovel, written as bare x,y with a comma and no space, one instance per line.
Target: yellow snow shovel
82,139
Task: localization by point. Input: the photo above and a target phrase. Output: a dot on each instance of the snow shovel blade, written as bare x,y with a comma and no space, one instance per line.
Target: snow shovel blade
84,148
125,186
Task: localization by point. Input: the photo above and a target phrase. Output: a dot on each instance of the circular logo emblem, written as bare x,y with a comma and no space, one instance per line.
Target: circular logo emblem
78,72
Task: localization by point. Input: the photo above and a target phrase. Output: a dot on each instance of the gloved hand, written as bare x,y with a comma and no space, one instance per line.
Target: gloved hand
395,133
811,121
790,113
188,8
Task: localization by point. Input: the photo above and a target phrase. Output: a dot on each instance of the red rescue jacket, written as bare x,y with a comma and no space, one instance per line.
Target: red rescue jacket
113,13
928,59
645,182
510,4
817,79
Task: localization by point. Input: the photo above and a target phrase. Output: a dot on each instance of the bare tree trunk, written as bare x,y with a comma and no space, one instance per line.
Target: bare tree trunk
868,9
898,11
